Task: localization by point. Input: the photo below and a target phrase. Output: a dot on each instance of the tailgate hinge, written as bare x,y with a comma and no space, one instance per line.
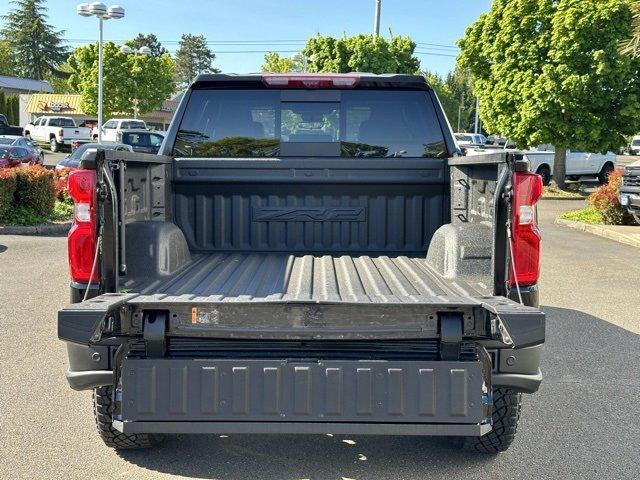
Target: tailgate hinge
450,336
154,333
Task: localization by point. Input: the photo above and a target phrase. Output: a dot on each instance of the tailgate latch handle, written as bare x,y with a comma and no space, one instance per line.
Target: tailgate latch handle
450,336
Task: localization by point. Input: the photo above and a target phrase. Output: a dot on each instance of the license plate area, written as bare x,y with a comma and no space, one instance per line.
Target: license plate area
195,390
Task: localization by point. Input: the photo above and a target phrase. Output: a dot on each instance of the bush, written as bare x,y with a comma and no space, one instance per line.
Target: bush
35,190
60,184
7,190
606,201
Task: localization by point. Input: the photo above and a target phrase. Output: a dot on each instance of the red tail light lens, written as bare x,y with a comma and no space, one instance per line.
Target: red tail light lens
61,133
527,190
82,236
310,81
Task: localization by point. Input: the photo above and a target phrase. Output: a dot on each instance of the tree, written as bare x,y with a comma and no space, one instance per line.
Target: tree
274,63
632,46
193,58
151,41
126,77
7,59
360,53
551,72
32,40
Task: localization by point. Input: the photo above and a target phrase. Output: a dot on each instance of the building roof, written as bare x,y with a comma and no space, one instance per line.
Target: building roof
47,103
27,84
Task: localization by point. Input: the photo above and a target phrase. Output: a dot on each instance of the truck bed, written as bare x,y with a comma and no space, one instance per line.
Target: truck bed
274,277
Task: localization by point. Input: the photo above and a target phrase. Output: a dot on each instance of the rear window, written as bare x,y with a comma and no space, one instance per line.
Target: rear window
62,122
636,142
264,123
132,125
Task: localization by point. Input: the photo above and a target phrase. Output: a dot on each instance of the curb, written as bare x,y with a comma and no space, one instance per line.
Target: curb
571,199
601,231
44,229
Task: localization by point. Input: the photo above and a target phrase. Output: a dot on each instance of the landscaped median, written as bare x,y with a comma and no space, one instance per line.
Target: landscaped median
605,216
34,200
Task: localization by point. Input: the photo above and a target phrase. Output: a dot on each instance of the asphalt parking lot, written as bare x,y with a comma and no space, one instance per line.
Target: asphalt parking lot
583,423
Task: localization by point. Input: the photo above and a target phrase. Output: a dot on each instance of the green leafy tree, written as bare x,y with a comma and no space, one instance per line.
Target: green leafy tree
37,44
3,103
632,46
274,63
360,53
7,59
552,72
127,78
193,58
149,40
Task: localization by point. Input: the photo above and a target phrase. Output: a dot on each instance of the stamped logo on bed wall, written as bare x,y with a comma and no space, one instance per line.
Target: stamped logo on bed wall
309,214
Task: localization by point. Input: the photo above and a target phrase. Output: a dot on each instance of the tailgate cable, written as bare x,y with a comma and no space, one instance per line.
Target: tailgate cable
513,263
95,263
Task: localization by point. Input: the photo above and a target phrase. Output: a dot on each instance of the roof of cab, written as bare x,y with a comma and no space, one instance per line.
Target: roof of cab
387,80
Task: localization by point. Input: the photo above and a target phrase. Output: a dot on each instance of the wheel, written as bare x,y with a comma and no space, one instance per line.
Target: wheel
54,145
506,413
545,173
603,177
102,408
636,216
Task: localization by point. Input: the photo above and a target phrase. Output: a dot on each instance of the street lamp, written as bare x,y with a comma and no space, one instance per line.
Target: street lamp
143,51
100,10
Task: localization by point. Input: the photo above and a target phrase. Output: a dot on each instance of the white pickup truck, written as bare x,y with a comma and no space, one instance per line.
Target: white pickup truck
579,164
56,132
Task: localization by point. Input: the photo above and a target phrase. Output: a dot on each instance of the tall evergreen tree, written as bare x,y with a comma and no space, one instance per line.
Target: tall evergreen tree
192,58
37,44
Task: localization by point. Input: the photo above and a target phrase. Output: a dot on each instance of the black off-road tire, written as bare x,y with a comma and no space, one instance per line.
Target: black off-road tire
603,176
102,407
506,413
545,173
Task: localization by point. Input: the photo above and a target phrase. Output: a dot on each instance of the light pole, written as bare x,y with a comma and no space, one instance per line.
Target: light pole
100,10
376,19
143,51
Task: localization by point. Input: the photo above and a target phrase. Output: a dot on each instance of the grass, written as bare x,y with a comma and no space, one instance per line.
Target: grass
24,216
555,192
586,215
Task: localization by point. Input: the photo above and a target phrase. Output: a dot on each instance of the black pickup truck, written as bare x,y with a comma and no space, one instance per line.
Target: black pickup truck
307,254
6,129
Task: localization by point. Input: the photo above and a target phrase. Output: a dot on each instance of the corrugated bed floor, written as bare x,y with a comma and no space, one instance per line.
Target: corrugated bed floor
228,277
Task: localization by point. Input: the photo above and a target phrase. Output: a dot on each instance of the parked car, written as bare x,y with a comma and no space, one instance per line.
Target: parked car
20,141
6,129
579,164
630,190
634,147
16,156
142,141
113,127
72,160
57,132
470,139
310,275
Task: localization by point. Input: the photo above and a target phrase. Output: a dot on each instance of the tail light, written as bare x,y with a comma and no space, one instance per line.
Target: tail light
310,81
61,133
527,190
82,236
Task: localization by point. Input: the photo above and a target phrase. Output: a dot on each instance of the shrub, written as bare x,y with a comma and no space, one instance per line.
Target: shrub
606,201
7,190
35,190
60,185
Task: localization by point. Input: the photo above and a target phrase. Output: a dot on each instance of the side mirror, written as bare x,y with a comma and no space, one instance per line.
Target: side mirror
463,151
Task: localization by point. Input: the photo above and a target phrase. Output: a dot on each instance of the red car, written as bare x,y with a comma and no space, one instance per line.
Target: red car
11,156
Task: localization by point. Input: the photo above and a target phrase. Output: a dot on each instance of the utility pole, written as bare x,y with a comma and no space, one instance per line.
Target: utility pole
376,19
460,108
476,129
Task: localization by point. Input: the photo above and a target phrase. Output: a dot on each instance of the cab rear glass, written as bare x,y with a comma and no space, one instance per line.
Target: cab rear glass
239,123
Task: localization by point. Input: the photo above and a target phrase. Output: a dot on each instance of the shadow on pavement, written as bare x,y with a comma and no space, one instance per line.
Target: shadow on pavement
3,248
576,357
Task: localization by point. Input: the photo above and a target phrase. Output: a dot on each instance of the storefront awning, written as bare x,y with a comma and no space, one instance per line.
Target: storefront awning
48,104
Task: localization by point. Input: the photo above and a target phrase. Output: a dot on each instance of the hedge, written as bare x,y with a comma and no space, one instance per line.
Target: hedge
35,190
7,189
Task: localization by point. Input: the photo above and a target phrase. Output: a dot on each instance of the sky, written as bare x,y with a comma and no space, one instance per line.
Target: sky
240,32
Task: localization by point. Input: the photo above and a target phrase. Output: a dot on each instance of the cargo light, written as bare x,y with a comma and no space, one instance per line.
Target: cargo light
525,236
82,237
310,81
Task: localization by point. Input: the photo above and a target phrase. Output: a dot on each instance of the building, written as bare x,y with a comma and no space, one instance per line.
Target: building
69,105
15,86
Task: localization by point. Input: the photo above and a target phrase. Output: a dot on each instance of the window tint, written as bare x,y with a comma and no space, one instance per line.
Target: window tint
132,124
18,152
6,141
363,123
61,122
636,142
464,138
